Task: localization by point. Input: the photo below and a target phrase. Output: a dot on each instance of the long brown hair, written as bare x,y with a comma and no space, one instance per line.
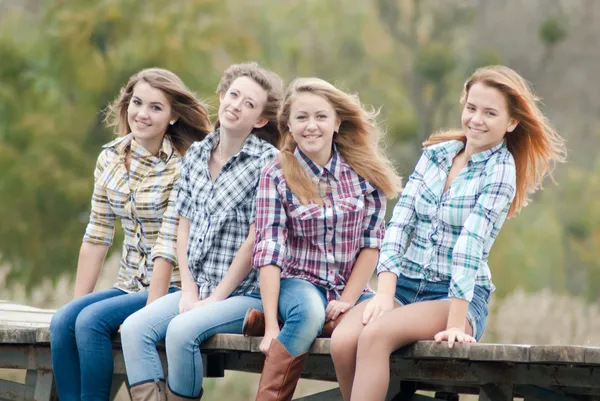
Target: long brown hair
357,140
534,144
193,121
271,83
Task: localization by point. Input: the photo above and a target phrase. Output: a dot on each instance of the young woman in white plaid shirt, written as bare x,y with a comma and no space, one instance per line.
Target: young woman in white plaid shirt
136,181
216,205
436,284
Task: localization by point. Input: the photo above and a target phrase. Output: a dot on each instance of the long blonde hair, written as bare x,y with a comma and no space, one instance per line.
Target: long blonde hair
193,122
357,140
534,144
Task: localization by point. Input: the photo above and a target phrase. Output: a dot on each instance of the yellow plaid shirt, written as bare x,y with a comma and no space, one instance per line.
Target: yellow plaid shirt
145,201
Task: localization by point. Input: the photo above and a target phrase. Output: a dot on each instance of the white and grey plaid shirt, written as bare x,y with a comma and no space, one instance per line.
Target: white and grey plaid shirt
220,212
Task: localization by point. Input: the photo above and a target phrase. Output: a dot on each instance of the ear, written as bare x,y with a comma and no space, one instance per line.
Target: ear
261,122
513,124
338,122
221,96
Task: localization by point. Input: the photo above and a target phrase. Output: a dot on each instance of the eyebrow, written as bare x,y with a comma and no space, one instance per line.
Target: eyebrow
154,103
238,91
485,108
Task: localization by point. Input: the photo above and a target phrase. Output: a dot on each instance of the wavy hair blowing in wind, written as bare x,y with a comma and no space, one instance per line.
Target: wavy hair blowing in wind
534,144
193,122
357,141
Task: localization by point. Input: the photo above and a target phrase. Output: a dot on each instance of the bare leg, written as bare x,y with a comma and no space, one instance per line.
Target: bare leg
377,340
344,342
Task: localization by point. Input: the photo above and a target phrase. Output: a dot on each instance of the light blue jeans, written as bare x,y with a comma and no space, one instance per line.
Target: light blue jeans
81,342
302,309
183,334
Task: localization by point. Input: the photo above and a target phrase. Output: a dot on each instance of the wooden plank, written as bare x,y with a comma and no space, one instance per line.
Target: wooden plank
431,349
496,392
591,355
12,391
499,352
543,394
556,354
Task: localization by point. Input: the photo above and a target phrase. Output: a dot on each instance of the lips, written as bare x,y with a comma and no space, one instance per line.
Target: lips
477,131
141,124
231,115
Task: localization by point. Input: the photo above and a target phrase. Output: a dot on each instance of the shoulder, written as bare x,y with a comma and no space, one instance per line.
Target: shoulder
273,168
501,167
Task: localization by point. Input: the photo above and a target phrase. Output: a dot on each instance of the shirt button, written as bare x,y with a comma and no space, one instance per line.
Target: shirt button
138,235
330,228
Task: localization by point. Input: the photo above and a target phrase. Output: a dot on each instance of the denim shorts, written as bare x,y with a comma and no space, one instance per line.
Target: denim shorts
411,290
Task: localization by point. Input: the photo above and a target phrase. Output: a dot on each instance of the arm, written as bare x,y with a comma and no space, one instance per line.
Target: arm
490,211
189,287
98,236
373,230
269,251
402,224
164,251
91,260
239,269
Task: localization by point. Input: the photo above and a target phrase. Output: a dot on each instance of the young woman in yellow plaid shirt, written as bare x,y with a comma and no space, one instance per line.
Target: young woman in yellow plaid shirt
136,181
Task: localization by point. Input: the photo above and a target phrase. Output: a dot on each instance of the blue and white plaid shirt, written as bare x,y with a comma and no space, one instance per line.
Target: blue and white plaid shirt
222,211
453,231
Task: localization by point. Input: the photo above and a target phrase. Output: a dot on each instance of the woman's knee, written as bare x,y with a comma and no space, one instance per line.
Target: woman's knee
62,322
180,335
372,337
344,343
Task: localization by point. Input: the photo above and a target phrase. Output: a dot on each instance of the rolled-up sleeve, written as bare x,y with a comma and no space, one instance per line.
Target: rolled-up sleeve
184,192
490,211
374,221
402,223
165,246
270,224
101,226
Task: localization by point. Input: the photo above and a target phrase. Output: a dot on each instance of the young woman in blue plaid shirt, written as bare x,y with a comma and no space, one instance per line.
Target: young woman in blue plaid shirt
135,180
216,205
434,281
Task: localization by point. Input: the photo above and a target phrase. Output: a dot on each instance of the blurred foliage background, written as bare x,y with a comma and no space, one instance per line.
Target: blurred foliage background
63,61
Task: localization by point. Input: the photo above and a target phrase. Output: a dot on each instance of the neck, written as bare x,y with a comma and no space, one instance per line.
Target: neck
152,145
229,143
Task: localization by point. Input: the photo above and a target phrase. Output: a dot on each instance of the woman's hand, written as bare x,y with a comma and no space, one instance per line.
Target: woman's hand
453,335
336,308
377,306
270,335
187,301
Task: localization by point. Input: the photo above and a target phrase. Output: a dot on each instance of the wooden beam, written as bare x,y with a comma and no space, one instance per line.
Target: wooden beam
496,392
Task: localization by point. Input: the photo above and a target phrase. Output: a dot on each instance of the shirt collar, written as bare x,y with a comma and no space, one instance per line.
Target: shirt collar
334,166
444,153
253,145
122,144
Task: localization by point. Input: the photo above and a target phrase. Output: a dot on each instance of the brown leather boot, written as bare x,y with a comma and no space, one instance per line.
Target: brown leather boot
254,324
171,396
149,391
280,374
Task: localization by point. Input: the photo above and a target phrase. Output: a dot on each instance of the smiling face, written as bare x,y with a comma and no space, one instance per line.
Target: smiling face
312,124
485,118
241,106
148,115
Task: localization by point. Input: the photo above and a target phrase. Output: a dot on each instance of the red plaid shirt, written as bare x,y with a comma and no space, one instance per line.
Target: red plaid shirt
317,243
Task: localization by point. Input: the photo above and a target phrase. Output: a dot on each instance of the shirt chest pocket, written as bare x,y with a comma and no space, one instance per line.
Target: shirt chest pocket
349,216
306,221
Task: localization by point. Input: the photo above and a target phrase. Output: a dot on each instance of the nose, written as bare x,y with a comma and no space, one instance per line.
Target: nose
477,119
236,103
312,125
142,113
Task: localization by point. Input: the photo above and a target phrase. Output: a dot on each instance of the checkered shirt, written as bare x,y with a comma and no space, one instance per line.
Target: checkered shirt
453,232
317,243
220,212
144,199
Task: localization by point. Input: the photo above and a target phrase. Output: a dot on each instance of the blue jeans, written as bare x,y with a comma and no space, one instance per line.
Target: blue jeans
302,310
183,335
81,342
410,290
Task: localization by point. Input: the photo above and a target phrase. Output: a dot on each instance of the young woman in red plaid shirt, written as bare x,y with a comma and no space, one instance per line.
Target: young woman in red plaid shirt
319,224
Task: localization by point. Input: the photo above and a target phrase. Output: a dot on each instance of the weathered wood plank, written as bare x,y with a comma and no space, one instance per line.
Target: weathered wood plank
543,394
431,349
499,352
556,353
591,355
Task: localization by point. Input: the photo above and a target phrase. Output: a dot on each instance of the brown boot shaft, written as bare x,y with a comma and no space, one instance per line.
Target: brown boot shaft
280,374
171,396
149,391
